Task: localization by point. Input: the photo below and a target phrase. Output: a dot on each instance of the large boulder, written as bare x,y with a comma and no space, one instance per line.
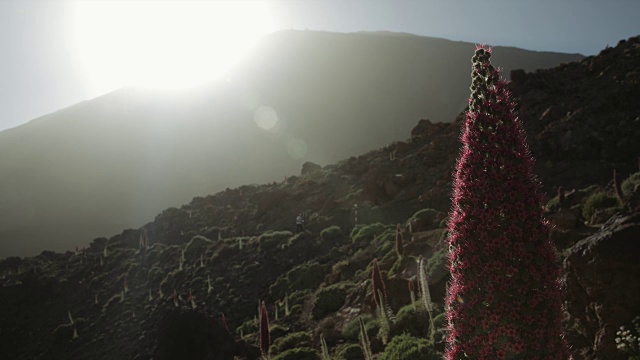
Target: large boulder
310,168
602,277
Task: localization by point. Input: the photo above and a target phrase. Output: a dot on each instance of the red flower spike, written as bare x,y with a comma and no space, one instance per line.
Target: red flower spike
378,284
265,339
399,241
504,292
223,321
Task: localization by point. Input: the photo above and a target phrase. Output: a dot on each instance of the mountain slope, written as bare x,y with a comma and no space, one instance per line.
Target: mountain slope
239,241
115,161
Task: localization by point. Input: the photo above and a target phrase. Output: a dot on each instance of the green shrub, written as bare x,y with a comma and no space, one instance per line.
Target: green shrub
337,269
224,252
196,246
358,261
630,183
597,201
553,204
350,352
248,327
351,330
298,297
424,218
304,353
154,276
331,233
296,309
355,230
290,341
412,321
297,239
169,254
402,263
197,283
330,299
277,331
438,264
367,232
171,281
384,242
273,239
440,321
301,277
407,347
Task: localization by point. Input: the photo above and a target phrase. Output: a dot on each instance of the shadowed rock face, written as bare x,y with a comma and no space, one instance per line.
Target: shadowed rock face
184,334
602,275
582,118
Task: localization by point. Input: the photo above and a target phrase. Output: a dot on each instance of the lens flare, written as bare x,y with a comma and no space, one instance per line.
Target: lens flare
266,118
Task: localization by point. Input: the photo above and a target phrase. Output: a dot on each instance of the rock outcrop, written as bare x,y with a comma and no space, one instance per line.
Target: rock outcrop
602,277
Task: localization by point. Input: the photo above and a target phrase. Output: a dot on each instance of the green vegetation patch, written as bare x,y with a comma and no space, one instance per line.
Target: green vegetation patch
366,232
384,242
597,201
301,277
331,233
412,320
438,263
290,341
407,347
197,246
351,330
273,239
350,352
303,353
424,218
330,299
630,183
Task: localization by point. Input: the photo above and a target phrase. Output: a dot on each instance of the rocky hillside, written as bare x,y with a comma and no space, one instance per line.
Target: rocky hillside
115,161
207,265
582,118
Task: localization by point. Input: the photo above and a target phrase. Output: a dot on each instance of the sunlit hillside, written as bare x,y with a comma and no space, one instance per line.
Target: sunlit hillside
114,162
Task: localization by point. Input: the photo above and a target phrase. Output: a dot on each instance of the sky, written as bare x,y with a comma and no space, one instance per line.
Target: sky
50,62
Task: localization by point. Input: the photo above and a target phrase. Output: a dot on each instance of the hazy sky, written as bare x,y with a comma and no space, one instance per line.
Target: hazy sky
42,69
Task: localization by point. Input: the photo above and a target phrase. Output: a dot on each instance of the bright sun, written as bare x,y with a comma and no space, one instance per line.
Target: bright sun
165,44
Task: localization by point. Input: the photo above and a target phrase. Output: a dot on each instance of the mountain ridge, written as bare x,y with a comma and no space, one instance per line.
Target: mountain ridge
123,157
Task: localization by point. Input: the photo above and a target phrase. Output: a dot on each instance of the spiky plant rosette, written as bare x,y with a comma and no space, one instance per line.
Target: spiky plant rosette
504,300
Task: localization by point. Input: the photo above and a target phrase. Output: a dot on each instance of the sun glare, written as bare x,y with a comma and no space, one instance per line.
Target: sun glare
165,44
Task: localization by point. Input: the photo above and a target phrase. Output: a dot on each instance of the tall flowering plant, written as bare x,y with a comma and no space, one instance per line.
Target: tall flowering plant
504,300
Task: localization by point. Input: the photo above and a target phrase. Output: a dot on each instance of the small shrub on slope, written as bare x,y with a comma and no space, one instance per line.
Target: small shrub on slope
330,299
367,232
299,354
290,341
351,330
598,201
350,352
301,277
196,247
407,347
331,233
412,320
630,183
273,239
